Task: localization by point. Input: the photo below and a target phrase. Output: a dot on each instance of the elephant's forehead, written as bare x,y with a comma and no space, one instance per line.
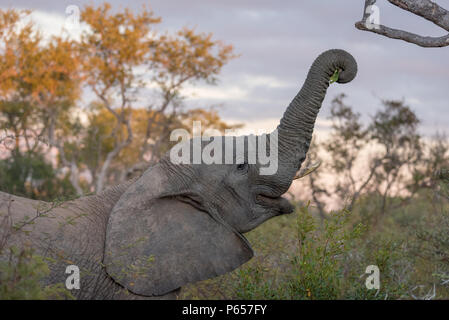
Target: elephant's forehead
220,150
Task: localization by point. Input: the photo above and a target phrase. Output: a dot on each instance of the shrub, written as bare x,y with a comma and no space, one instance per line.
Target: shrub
21,275
432,247
315,265
317,271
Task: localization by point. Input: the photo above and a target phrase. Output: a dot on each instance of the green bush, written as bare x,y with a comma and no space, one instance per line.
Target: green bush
300,256
30,175
21,276
432,245
316,267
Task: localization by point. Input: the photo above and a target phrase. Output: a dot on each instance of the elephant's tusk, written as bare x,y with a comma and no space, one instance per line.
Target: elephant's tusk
307,170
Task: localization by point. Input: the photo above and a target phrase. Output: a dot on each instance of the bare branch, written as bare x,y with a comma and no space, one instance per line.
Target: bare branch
426,42
423,8
316,190
427,9
55,143
364,184
112,154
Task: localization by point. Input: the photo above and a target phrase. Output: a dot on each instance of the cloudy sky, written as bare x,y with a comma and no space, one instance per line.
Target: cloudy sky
278,41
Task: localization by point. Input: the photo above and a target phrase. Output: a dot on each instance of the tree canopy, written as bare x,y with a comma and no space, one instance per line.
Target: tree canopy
119,58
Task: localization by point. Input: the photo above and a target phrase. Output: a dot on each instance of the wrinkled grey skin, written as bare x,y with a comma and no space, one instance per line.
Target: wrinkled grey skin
177,224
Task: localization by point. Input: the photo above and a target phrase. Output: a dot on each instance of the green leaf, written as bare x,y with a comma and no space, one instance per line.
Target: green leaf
335,76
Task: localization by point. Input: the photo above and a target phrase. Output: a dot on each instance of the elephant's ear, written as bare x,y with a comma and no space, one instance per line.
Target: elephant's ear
156,246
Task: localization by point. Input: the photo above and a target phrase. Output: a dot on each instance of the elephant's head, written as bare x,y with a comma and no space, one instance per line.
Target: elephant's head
181,223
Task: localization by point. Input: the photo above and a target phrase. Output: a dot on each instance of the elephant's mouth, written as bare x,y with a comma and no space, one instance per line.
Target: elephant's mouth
279,204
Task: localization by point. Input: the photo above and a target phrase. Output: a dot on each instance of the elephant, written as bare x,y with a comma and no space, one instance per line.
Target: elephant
176,223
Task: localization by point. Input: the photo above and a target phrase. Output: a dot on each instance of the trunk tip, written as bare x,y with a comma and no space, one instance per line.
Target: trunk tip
342,60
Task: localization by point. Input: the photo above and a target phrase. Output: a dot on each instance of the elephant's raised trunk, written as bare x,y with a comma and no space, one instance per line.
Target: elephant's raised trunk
296,126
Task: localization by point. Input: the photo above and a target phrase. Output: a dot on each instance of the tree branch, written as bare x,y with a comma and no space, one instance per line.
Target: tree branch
112,154
427,9
315,191
74,172
423,8
362,187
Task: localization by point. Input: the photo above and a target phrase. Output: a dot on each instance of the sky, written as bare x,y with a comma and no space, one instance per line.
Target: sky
277,42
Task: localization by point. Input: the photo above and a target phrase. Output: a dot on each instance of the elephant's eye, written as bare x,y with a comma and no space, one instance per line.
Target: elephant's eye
242,167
